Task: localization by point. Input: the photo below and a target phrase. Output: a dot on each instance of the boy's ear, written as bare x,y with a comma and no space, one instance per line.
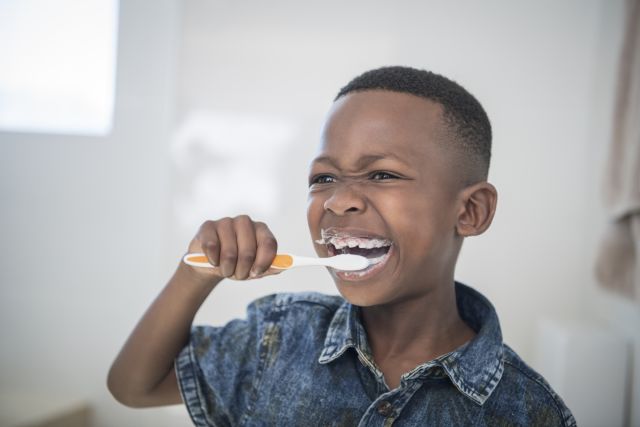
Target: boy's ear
477,209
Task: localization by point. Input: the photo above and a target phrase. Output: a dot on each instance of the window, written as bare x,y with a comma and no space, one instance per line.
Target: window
58,65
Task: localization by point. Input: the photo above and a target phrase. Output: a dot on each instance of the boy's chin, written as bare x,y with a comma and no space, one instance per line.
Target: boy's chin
358,295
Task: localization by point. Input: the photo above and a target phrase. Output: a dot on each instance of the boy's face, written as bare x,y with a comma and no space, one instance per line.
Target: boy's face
383,186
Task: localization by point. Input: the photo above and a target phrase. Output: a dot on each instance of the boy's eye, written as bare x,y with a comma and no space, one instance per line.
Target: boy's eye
379,176
322,179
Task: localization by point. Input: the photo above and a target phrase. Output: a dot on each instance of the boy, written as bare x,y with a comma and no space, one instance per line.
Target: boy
400,177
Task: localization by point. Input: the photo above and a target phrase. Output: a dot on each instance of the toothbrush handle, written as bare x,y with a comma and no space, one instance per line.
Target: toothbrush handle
280,262
197,259
286,261
301,261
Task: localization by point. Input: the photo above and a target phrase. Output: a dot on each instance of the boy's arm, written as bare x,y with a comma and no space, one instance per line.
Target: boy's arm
143,373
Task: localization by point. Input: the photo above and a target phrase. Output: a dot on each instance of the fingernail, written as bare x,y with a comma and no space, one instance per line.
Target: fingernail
253,274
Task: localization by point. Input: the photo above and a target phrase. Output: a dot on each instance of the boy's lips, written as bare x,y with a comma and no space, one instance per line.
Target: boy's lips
377,248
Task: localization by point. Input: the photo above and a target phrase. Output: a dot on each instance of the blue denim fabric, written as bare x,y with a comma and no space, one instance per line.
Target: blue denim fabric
303,359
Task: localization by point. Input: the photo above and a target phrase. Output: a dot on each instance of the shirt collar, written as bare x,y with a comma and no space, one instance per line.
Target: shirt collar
474,368
342,333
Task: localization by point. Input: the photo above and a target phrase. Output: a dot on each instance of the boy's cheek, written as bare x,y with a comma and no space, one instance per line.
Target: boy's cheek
321,250
315,210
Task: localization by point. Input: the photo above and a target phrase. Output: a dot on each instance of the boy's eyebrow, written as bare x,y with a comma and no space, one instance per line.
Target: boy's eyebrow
362,161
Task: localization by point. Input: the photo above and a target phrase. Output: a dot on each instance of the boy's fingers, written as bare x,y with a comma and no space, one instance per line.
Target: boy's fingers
211,248
246,243
210,243
239,247
266,250
228,247
207,241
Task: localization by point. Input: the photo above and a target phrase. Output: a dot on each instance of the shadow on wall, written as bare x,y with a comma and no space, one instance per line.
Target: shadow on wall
225,165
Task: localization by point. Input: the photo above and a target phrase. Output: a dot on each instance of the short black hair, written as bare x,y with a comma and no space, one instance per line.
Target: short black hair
463,114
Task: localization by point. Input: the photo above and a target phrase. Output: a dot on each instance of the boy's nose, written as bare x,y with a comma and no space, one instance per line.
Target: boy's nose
345,200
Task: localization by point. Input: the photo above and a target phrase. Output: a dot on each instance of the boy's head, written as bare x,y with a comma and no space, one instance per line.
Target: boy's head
465,126
400,178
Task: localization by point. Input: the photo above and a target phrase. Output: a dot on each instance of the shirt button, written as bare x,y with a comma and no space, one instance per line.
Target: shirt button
385,408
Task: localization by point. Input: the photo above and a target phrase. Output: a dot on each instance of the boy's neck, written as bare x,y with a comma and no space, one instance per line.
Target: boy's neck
415,331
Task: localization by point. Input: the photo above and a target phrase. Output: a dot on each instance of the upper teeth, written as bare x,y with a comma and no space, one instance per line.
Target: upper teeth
340,243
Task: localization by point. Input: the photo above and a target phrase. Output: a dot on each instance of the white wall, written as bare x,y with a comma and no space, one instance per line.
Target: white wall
543,70
62,320
621,316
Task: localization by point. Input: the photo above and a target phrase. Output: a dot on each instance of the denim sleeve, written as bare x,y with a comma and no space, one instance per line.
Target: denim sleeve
218,369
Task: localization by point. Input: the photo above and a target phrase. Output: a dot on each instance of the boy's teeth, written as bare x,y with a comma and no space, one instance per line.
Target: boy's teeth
360,243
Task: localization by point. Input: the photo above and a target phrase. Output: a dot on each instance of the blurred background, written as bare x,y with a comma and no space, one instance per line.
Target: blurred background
124,125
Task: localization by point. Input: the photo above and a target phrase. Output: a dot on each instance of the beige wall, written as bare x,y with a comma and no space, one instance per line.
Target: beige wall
543,70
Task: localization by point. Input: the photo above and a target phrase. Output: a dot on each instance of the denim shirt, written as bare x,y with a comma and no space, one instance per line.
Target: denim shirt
303,359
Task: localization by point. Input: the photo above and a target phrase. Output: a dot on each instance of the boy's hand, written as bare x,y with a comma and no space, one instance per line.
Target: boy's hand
239,247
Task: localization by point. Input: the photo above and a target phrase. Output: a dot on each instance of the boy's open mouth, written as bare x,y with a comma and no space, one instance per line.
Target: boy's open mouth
376,249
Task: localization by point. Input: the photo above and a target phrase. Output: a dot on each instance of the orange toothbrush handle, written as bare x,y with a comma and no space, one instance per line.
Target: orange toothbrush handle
282,261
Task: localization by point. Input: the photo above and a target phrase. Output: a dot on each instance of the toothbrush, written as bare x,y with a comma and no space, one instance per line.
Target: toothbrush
345,262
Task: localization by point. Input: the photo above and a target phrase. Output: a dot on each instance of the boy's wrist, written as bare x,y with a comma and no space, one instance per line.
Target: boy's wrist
186,277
